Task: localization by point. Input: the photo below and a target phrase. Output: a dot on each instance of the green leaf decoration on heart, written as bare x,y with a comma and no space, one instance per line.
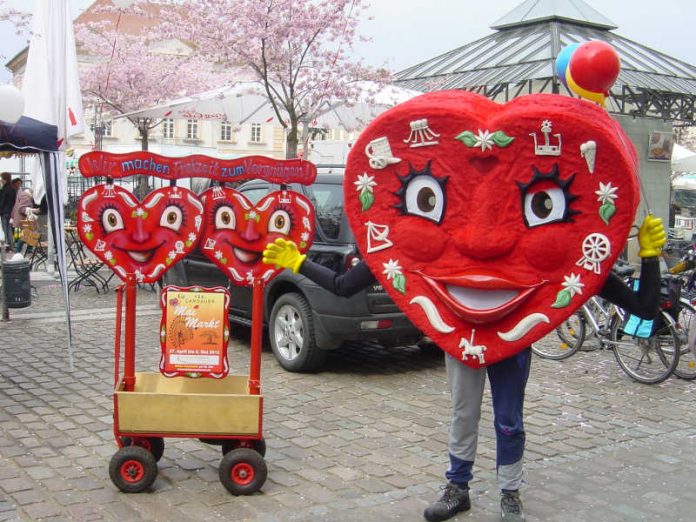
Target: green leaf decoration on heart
224,260
399,282
303,244
168,260
366,199
562,299
467,138
89,236
188,242
501,139
112,261
606,211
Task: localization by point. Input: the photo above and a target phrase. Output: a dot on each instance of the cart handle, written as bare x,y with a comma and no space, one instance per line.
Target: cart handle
117,336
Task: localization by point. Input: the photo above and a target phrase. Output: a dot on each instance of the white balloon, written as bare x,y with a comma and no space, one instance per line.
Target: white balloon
122,4
11,103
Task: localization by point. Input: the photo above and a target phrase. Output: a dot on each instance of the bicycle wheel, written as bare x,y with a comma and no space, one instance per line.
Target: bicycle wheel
647,360
564,341
686,327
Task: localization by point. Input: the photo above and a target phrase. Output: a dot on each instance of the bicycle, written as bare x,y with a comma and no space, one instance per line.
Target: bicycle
648,359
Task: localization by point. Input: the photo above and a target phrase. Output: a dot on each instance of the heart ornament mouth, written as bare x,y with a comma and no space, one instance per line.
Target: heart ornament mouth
489,224
144,238
237,231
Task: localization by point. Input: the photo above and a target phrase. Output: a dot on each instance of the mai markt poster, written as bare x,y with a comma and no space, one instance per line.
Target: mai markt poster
194,332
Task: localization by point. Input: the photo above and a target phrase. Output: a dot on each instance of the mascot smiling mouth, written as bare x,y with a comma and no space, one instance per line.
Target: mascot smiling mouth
141,256
480,296
248,257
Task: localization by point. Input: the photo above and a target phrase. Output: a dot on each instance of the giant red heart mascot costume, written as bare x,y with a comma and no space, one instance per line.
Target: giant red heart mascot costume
490,224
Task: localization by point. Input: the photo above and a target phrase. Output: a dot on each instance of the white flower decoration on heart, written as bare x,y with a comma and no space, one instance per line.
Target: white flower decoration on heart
218,254
606,193
304,236
139,212
192,237
484,139
87,228
172,254
108,255
391,269
365,182
572,284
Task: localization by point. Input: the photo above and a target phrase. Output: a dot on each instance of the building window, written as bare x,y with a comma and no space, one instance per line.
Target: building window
168,128
106,128
192,129
255,133
225,131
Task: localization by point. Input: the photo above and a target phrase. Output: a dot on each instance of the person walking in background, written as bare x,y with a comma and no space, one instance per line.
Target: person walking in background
508,378
8,196
23,210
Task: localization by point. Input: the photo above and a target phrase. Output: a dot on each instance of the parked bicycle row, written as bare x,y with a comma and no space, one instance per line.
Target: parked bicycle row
648,351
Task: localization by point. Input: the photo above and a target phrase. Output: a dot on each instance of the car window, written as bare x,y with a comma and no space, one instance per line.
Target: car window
255,194
328,206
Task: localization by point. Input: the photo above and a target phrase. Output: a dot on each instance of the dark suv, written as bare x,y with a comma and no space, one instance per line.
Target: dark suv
303,319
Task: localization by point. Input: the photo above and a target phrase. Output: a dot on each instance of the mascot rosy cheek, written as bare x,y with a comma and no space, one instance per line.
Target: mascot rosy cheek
236,231
143,238
490,224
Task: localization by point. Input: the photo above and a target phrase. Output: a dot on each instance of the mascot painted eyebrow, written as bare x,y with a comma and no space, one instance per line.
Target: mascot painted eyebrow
490,224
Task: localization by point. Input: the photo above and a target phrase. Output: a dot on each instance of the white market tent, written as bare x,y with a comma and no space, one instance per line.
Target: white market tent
683,159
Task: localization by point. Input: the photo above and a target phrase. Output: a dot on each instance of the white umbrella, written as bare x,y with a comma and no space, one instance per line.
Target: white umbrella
51,88
246,102
683,160
237,103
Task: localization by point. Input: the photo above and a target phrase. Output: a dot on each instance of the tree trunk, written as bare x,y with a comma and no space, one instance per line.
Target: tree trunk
142,187
291,141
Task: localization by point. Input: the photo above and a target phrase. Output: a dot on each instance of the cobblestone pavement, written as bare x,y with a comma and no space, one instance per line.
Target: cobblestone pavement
364,440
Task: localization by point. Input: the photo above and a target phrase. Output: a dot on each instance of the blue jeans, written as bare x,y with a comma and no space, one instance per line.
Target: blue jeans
508,380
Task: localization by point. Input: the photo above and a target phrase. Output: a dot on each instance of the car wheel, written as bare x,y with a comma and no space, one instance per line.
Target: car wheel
291,332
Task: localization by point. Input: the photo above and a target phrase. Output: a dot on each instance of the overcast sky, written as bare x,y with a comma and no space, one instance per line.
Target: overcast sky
405,32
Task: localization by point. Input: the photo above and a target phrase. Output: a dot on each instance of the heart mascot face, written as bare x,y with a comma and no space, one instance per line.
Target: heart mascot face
236,231
144,238
490,224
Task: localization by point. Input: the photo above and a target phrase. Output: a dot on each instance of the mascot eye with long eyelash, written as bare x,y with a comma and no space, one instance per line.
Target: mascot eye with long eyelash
490,224
237,231
143,238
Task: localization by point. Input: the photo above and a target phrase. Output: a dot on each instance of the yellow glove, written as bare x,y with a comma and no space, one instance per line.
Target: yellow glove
651,236
283,254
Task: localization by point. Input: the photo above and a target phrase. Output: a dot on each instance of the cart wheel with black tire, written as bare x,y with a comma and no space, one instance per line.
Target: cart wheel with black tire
133,469
259,446
243,471
154,445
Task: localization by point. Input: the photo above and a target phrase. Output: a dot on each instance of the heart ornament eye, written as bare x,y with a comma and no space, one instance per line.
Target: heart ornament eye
144,237
489,224
237,231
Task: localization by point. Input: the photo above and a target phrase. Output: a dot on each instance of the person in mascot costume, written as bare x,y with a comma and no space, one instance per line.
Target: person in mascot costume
489,225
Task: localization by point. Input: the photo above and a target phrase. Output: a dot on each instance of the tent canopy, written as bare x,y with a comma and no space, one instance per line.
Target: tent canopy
28,135
683,160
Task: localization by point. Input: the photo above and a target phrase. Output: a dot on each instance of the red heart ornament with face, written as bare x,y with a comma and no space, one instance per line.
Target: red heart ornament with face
490,224
236,231
143,238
